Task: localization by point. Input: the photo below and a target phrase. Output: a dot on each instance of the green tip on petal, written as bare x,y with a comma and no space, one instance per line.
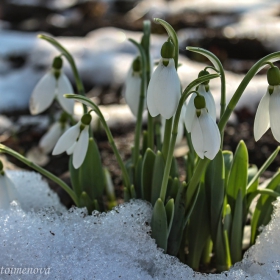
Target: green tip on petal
199,102
273,76
167,50
63,117
57,63
86,119
1,166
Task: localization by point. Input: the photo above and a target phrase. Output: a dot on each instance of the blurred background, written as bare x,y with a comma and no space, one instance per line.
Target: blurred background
96,33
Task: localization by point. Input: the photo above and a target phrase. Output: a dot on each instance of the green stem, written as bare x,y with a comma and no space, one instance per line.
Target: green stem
69,57
141,102
43,171
238,93
167,136
92,105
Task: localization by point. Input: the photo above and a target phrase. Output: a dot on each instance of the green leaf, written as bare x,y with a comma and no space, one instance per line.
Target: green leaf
110,190
147,174
264,207
236,236
138,177
172,187
252,186
174,171
91,172
198,230
85,201
238,174
215,190
169,208
157,176
75,179
177,228
159,225
228,157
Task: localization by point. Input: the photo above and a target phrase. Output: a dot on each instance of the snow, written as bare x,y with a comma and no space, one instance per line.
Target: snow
104,246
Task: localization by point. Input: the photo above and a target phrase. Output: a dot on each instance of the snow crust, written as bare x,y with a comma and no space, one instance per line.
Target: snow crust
105,246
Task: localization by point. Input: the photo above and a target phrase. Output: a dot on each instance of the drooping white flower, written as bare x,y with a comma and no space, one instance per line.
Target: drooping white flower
8,192
204,131
48,141
52,86
190,109
164,90
75,141
133,87
267,115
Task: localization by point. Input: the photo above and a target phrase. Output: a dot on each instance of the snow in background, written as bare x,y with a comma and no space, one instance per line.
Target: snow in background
106,246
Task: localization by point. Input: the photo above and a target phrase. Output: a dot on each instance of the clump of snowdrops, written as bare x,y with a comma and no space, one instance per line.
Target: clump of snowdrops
201,217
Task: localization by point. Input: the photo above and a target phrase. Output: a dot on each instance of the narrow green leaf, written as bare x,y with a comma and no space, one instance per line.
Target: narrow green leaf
91,172
177,228
157,176
263,206
147,174
75,179
172,187
169,208
138,177
237,229
215,190
228,157
132,192
85,201
198,229
174,171
110,190
159,225
251,185
238,173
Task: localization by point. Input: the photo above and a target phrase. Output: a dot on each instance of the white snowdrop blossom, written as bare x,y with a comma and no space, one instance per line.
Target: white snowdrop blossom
8,192
267,115
164,90
204,131
48,141
75,141
53,85
133,90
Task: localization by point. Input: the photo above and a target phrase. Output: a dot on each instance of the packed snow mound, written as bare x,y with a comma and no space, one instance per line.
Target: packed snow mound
106,246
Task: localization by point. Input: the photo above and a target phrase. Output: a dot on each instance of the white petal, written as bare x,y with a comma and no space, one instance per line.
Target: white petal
132,92
274,107
43,94
49,140
262,122
168,89
152,108
190,113
197,138
180,132
80,150
63,87
67,139
209,100
70,150
211,135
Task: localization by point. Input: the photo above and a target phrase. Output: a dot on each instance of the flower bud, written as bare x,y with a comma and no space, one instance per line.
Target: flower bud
167,50
199,102
86,119
273,76
203,73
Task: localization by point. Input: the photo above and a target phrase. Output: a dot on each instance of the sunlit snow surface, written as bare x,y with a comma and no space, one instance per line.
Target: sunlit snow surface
116,245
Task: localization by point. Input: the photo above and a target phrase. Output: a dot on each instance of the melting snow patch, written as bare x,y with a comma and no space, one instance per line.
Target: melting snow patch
104,246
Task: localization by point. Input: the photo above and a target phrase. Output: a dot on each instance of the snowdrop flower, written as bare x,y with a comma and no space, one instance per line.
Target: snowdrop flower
52,86
133,87
267,115
204,131
75,141
8,192
164,89
49,140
